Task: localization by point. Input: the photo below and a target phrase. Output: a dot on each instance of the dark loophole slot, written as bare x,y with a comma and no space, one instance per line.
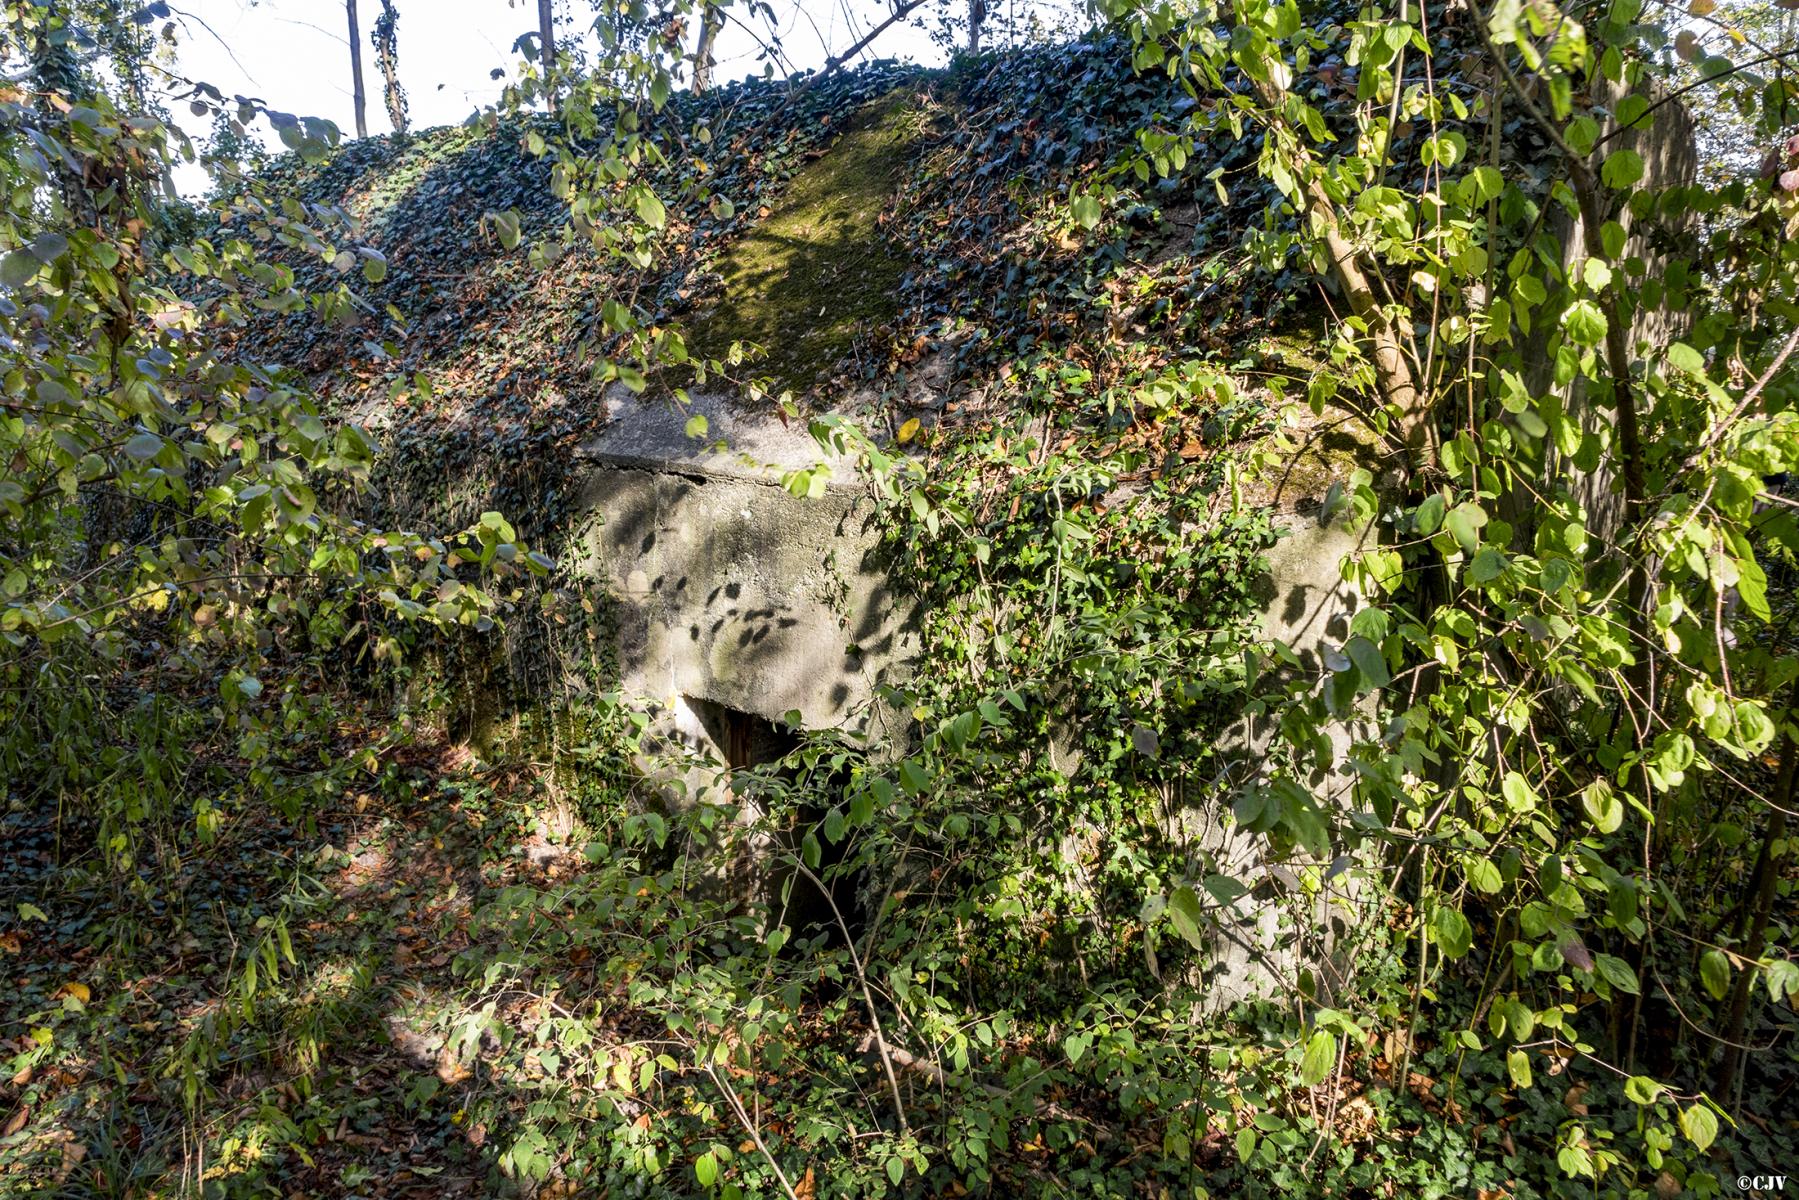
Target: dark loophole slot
743,740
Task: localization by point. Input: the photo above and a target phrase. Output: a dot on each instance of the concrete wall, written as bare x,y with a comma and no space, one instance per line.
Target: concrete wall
731,591
1670,154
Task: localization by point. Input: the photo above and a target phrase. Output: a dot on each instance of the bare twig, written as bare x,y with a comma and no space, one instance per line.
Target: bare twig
749,1127
874,1017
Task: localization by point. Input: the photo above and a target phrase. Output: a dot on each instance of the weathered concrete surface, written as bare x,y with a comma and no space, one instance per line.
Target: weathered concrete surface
731,591
1667,143
1282,926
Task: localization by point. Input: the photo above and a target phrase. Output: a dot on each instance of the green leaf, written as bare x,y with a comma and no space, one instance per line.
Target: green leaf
1714,973
896,1169
696,425
1622,168
1700,1125
1085,209
1640,1089
1584,322
650,210
1464,522
1429,514
144,447
1184,915
1517,1065
17,268
705,1169
1075,1045
1224,889
1320,1058
1488,565
1603,806
1618,973
1683,357
1454,936
1484,876
1369,661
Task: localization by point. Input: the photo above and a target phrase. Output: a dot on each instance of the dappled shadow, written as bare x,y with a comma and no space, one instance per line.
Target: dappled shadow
356,1066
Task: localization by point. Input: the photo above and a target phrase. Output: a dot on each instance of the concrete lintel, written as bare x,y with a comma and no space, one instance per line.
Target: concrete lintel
740,443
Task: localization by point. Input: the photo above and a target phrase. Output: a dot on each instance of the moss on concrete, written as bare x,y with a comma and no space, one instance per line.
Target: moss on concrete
819,268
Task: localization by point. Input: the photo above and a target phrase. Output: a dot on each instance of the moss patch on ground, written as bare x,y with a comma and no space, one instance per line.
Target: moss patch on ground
819,269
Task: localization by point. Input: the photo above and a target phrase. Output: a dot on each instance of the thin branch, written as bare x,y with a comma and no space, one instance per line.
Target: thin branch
837,60
874,1018
1748,399
1677,93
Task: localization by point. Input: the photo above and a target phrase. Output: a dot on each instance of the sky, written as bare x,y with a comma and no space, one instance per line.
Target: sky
293,54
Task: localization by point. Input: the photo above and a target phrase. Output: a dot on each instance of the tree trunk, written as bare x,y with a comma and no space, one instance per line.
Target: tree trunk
546,36
356,92
977,17
1383,340
710,20
387,52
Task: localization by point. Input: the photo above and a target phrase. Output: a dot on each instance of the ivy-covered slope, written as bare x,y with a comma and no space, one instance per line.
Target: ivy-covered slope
896,235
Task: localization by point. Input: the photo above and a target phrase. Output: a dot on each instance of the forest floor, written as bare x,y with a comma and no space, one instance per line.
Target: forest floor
305,1007
112,997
